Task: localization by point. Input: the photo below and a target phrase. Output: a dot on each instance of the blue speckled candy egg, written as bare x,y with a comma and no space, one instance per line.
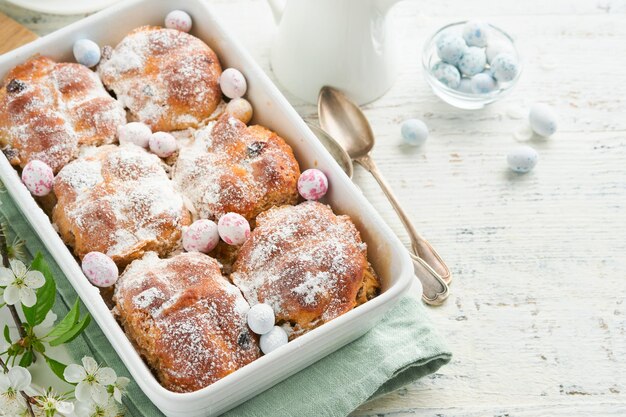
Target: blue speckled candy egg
87,52
482,83
414,132
476,33
504,67
522,159
473,61
446,74
450,48
542,119
497,47
465,86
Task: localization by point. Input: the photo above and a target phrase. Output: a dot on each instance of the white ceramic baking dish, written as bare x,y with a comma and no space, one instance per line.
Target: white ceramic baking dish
271,109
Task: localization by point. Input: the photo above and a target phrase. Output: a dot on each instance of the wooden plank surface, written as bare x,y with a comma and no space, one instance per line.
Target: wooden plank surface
537,318
12,34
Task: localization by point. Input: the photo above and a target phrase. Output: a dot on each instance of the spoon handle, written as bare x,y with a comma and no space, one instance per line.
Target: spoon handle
420,246
434,289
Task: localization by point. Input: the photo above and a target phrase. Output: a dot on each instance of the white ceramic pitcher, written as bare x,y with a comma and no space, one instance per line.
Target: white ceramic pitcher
346,44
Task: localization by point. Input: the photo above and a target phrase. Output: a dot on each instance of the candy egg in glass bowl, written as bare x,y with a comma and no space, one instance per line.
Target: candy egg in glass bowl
471,64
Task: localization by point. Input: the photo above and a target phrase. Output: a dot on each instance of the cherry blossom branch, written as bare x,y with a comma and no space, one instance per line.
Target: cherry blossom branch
28,398
6,264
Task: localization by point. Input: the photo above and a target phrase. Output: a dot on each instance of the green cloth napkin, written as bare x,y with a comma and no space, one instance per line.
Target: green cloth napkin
402,348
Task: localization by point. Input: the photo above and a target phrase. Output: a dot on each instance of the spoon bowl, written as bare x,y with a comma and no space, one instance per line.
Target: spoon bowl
334,148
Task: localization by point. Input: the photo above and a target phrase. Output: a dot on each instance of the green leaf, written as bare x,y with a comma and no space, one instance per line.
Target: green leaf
7,334
67,323
45,295
57,367
38,346
73,332
27,359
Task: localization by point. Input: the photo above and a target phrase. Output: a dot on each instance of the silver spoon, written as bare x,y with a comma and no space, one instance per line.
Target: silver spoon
346,123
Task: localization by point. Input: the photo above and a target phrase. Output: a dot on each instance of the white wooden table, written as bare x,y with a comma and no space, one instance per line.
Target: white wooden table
537,318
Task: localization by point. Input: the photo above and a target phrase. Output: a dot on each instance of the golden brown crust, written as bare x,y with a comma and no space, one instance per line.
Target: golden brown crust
307,263
186,319
230,167
119,201
166,78
48,110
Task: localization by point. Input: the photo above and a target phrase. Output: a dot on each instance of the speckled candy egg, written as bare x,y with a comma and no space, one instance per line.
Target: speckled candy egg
522,159
38,177
87,52
473,61
201,236
542,119
261,318
135,132
312,184
233,228
482,83
476,33
274,339
233,83
497,47
162,144
446,74
240,109
465,86
450,48
504,67
177,19
414,132
99,269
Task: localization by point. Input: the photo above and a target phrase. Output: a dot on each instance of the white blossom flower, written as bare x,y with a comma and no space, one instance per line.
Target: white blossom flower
42,329
119,388
92,380
92,409
50,404
20,283
11,383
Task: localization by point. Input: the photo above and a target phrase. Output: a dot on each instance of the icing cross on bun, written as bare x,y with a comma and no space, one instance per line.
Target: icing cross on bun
230,167
166,78
49,110
118,200
307,263
185,318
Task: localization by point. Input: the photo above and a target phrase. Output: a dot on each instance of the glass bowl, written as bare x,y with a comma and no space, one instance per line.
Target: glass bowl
457,98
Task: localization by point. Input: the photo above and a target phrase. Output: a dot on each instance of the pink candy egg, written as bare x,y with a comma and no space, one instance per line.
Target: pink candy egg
201,236
177,19
233,228
312,184
233,83
99,269
163,144
38,178
135,132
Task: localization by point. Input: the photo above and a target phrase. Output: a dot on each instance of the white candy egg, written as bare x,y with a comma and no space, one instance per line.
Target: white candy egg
450,48
312,184
233,228
87,52
446,74
233,83
522,159
476,33
135,132
163,144
274,339
497,47
177,19
542,119
240,109
38,177
504,67
482,83
99,269
201,236
414,132
473,61
261,318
